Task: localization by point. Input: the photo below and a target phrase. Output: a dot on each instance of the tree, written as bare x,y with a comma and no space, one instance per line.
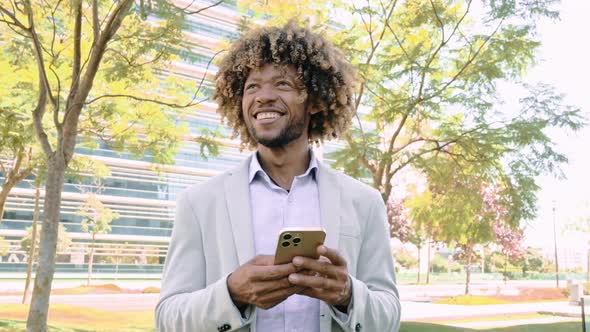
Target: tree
16,145
97,71
466,205
405,259
510,240
96,219
32,248
402,228
430,71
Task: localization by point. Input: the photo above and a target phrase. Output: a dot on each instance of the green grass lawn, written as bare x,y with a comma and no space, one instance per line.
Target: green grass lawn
18,326
67,318
556,327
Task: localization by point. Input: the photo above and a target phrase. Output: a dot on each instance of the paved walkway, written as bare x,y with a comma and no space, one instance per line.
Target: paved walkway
429,312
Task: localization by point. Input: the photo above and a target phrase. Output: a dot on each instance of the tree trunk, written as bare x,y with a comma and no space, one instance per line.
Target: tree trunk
91,259
37,319
468,252
505,269
419,263
428,264
6,187
31,259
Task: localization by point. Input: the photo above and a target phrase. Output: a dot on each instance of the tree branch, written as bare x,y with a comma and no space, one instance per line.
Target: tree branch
95,21
54,29
15,21
2,168
148,100
385,163
39,53
438,19
77,53
469,61
74,108
187,12
131,62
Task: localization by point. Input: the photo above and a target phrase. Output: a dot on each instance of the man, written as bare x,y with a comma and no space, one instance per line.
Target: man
280,89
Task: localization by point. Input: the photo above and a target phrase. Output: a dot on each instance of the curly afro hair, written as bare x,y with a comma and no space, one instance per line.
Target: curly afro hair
329,80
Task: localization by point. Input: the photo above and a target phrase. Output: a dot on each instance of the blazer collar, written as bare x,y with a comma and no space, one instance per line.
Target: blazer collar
330,199
237,193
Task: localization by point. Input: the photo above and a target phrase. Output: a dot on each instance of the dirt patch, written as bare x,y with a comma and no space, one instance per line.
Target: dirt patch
524,294
536,295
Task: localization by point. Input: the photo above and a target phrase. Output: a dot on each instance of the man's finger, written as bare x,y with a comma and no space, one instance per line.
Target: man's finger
280,294
313,292
273,272
332,254
262,260
314,282
265,287
320,266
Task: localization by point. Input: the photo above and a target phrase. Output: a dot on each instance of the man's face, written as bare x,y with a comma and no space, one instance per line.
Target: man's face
274,106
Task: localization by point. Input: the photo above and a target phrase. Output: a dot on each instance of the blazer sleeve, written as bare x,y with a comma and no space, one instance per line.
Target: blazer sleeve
375,302
186,302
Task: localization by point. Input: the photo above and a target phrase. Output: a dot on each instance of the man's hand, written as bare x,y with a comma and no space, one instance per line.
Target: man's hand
329,283
261,283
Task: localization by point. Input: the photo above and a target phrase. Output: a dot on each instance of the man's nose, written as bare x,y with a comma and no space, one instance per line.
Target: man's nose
266,94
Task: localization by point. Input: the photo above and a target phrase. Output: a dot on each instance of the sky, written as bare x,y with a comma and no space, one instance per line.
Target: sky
564,64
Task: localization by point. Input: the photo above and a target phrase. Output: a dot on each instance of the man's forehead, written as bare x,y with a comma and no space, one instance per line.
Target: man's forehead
285,70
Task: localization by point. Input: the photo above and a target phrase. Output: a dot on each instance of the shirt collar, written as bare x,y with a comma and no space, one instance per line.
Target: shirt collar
255,167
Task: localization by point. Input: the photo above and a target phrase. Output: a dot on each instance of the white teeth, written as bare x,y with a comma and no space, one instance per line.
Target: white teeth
267,115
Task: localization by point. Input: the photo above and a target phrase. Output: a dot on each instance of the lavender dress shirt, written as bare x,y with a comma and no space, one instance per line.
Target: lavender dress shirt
272,209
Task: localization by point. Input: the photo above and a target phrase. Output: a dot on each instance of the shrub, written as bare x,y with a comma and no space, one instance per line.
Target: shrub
151,290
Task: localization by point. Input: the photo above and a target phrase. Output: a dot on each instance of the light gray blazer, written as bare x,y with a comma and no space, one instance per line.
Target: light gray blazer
212,236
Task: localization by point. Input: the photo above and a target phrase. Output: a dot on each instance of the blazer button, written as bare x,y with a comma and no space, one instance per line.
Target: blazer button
358,327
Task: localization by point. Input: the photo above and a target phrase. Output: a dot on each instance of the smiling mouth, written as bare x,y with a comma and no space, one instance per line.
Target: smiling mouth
267,115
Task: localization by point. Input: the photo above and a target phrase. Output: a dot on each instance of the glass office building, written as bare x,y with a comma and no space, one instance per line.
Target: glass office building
143,198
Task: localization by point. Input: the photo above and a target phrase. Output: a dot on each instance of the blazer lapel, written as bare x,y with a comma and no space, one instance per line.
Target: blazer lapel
237,193
329,188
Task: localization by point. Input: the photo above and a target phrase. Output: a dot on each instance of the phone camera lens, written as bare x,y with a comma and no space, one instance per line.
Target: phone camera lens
296,240
285,244
287,236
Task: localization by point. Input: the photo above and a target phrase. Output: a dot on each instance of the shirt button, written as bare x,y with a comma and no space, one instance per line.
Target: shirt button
290,199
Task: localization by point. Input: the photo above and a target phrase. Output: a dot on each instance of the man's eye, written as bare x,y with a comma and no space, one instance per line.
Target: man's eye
284,83
250,87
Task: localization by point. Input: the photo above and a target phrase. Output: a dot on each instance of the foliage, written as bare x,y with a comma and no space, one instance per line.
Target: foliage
439,264
19,155
401,226
4,246
96,218
430,71
63,244
405,259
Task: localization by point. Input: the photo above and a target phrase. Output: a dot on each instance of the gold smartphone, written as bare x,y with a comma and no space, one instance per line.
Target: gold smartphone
299,241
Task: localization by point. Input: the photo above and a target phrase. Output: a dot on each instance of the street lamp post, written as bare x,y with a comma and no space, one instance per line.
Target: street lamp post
555,247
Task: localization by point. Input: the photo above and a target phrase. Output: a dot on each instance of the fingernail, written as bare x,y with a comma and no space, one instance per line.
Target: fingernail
297,261
293,277
322,250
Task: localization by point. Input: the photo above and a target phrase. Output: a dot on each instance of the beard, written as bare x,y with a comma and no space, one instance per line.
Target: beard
291,132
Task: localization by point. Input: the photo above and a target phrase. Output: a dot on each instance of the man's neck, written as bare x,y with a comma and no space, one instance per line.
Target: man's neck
283,164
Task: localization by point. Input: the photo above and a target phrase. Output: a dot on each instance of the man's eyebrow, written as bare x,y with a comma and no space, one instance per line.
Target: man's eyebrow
273,78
